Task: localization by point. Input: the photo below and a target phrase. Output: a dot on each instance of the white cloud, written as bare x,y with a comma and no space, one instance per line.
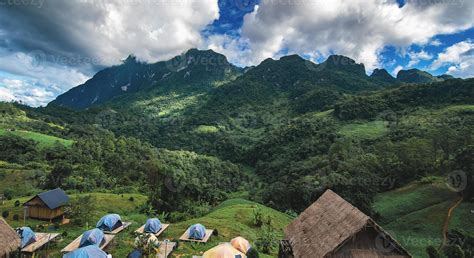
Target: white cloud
56,47
358,28
33,82
416,57
459,57
396,70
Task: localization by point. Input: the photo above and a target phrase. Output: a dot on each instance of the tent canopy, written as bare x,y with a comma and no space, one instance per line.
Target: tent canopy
27,236
109,222
152,226
92,237
224,250
197,231
240,244
90,251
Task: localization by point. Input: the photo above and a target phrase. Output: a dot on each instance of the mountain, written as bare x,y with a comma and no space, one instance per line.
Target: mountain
383,76
190,68
417,76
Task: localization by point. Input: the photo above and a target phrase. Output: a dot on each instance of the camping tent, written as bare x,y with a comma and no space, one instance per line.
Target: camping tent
27,236
224,250
152,226
109,222
90,251
240,244
197,231
92,237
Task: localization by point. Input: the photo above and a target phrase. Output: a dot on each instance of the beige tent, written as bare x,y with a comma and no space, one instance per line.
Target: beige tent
332,227
9,239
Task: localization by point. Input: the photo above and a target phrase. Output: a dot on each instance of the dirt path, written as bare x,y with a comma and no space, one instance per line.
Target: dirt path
448,218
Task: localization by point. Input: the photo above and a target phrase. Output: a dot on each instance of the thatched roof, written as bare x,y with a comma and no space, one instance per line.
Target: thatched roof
9,240
326,225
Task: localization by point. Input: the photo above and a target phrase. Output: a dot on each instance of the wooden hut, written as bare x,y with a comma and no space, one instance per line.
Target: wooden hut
333,228
9,239
48,205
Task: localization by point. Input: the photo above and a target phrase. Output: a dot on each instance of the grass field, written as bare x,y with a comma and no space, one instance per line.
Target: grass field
368,130
42,139
415,214
232,218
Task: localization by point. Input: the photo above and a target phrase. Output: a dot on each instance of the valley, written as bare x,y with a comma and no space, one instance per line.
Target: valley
198,140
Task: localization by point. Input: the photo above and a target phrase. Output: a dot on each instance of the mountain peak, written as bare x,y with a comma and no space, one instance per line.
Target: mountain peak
293,57
415,76
383,75
130,59
344,63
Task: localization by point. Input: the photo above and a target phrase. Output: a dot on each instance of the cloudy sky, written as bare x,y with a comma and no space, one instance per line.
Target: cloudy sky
49,46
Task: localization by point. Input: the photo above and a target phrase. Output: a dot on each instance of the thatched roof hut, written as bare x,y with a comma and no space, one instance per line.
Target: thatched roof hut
9,239
332,227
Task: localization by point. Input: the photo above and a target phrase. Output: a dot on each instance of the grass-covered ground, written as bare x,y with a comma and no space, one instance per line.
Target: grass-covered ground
42,139
232,218
415,214
367,130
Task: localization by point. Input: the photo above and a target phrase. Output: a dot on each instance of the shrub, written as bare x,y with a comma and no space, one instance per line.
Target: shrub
81,209
454,251
5,214
258,216
432,252
252,253
17,203
16,217
8,193
267,239
131,199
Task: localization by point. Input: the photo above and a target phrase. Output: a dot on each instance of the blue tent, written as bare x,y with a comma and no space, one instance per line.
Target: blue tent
135,254
27,236
109,222
197,232
90,251
92,237
152,226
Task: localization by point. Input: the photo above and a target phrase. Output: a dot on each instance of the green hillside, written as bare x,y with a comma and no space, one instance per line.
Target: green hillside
415,214
231,219
43,140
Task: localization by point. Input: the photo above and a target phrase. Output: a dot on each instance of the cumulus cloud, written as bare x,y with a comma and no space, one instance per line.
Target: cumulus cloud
459,57
416,57
357,28
72,39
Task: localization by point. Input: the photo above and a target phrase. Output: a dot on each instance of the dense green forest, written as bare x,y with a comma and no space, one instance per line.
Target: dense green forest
279,134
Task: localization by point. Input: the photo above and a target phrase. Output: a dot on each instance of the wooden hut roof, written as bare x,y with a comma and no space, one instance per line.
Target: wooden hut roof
325,226
53,198
9,239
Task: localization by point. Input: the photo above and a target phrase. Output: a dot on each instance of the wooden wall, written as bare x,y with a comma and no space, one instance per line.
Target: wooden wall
38,210
365,245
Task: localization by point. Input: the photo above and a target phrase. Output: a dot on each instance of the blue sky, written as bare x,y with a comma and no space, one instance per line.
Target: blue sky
48,47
